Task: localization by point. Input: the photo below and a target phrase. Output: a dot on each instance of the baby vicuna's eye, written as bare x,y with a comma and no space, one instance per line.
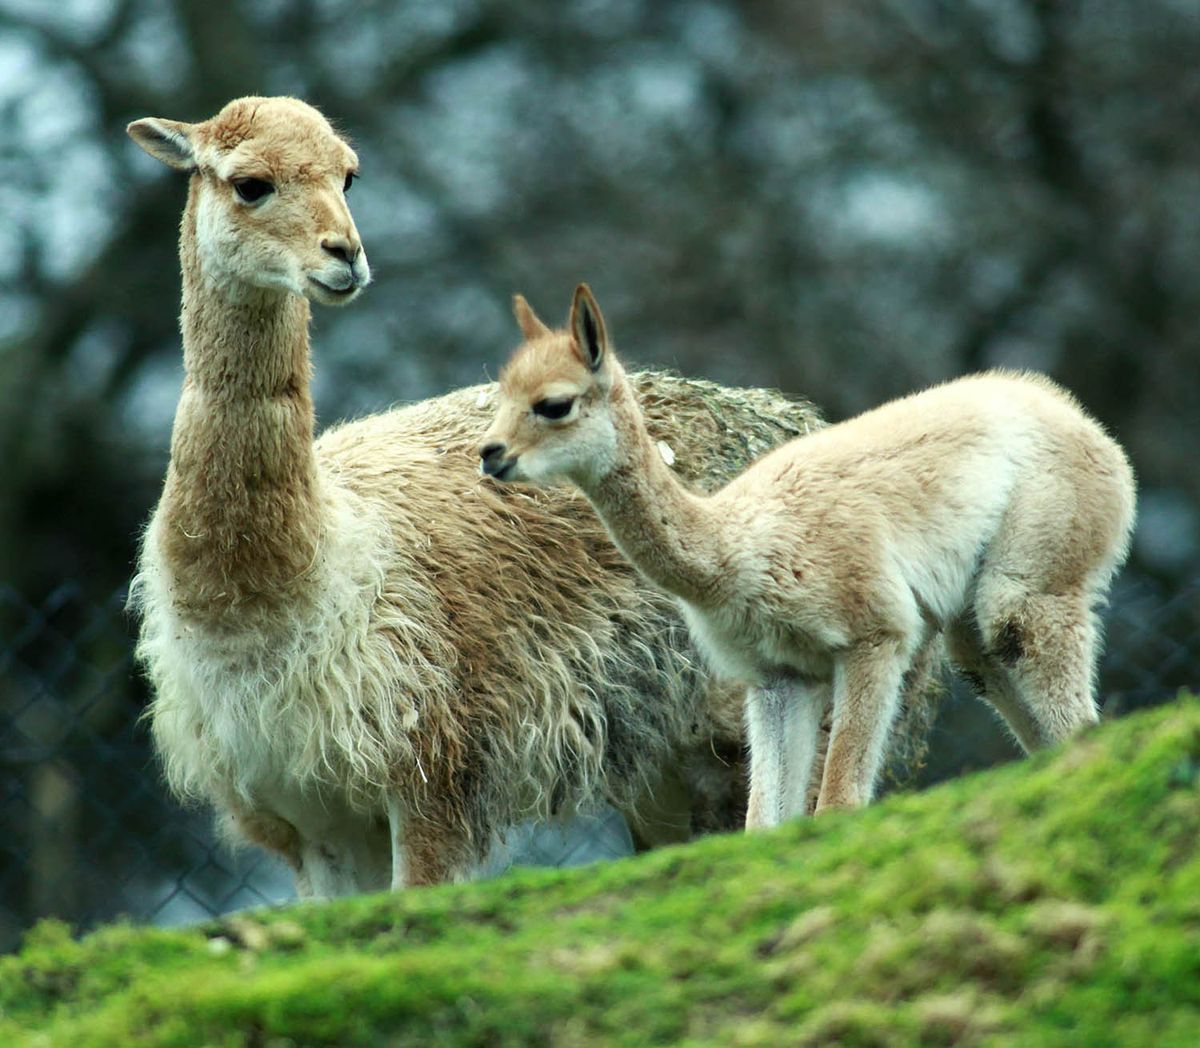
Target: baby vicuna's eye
252,189
554,407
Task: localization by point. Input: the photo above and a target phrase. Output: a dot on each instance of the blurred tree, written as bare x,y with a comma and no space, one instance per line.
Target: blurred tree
847,199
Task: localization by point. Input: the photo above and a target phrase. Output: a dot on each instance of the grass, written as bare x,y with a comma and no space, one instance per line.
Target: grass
1053,901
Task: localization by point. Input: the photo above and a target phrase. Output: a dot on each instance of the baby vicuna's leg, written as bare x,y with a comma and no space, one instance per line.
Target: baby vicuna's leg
1046,646
783,722
1033,604
990,679
1064,533
866,696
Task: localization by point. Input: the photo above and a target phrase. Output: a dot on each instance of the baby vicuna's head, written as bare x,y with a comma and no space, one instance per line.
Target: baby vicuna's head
554,418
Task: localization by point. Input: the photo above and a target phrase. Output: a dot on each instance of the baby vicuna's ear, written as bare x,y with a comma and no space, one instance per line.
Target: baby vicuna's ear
530,323
168,141
587,328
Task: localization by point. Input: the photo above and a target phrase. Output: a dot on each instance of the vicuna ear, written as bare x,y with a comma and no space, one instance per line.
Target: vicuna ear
587,328
167,140
530,323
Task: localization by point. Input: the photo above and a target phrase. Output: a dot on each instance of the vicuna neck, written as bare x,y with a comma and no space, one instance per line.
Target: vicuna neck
668,533
240,512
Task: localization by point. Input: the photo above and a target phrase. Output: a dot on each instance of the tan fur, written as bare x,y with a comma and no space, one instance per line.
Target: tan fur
991,508
368,660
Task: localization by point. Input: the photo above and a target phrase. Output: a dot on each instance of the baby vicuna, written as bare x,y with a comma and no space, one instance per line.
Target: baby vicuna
991,510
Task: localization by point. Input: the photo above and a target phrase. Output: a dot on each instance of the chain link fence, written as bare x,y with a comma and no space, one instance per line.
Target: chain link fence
88,834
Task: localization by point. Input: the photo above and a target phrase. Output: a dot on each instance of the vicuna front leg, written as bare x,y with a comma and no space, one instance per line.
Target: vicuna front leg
866,696
783,722
395,818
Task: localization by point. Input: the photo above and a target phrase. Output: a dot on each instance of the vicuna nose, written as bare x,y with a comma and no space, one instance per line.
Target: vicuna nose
342,248
491,456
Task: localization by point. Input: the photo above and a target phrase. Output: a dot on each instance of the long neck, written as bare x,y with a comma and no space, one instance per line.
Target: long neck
240,513
669,534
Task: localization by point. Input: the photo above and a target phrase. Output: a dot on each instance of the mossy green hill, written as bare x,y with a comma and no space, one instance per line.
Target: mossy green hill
1055,901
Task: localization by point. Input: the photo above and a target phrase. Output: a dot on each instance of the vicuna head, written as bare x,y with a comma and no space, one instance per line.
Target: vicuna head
554,418
269,178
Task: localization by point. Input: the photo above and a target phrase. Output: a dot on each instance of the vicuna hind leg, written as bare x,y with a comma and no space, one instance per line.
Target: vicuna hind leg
1051,560
866,696
991,681
427,848
1044,647
783,722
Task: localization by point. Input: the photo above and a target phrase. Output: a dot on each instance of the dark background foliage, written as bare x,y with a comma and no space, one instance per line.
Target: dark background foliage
846,199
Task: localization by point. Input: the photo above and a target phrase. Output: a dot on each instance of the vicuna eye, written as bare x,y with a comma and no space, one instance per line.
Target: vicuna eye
350,177
554,407
252,189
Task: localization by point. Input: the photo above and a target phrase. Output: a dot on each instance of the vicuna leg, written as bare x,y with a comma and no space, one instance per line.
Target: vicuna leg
327,871
803,718
991,681
911,726
1044,646
764,731
396,837
324,867
434,850
1034,598
266,830
783,722
866,696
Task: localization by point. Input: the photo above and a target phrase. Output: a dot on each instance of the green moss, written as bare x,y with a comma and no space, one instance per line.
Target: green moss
1056,900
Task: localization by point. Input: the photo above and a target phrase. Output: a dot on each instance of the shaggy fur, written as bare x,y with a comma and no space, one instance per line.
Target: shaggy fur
991,509
368,660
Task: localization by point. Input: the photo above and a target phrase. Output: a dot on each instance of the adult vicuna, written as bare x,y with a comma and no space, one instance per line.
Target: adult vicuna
990,509
365,658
